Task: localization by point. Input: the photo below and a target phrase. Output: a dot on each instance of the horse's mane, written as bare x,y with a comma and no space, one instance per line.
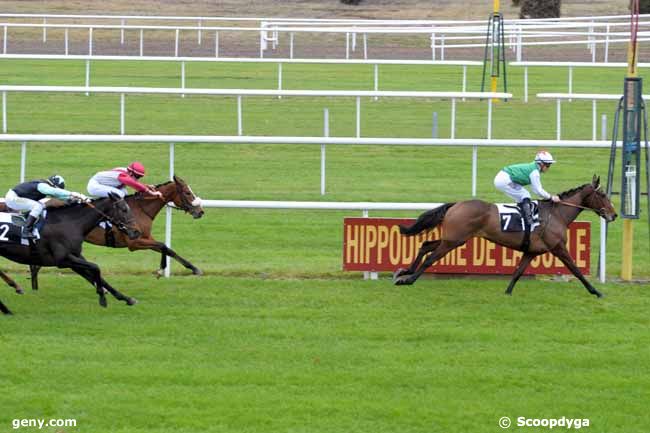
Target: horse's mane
139,194
571,191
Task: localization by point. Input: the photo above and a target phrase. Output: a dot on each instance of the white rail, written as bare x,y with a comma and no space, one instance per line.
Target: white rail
570,66
593,97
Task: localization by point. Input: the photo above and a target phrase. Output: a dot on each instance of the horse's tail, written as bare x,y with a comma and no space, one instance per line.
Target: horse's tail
426,221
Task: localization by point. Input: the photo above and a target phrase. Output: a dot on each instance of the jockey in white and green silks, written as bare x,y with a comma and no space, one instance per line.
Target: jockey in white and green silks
512,179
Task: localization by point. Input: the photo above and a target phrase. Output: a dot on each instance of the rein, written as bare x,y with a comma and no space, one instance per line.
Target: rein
566,203
105,216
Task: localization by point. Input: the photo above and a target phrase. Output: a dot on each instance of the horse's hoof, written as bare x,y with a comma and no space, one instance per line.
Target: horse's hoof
102,301
404,280
599,295
131,301
159,273
20,291
508,293
197,271
8,313
398,273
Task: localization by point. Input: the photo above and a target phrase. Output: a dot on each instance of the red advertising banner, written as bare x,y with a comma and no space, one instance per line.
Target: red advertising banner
375,244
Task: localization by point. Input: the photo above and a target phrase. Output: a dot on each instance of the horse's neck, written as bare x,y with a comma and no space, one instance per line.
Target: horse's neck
84,218
570,213
153,206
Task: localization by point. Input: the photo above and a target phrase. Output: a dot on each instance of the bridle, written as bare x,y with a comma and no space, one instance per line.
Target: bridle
186,205
600,212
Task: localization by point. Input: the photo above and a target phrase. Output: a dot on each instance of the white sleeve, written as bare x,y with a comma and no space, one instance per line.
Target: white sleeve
536,185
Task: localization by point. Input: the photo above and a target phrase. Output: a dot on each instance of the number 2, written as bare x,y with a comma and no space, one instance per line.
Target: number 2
4,229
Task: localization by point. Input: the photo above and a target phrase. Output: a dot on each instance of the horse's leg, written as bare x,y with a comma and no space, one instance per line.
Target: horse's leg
525,261
33,270
561,253
80,265
443,248
4,309
425,249
116,294
7,279
152,244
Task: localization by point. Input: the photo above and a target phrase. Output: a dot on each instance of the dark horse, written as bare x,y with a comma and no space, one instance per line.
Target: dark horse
461,221
62,237
145,209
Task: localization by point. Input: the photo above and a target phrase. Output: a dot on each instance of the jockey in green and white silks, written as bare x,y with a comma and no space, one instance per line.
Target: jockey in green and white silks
26,196
512,179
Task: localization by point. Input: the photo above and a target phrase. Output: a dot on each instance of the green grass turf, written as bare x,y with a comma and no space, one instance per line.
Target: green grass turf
275,337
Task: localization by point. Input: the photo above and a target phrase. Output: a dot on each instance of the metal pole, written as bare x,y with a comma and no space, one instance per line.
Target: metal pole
122,32
358,116
65,38
291,45
453,117
376,70
216,44
279,79
525,83
168,222
570,80
594,120
23,161
122,103
4,112
183,77
365,46
239,119
44,30
442,47
176,42
366,274
558,118
434,125
347,45
464,88
199,33
4,41
90,41
87,74
603,250
141,42
606,55
326,133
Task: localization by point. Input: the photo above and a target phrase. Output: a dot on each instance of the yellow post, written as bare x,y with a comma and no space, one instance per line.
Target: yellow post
628,224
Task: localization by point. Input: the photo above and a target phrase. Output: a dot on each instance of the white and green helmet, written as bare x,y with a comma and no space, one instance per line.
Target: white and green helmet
544,157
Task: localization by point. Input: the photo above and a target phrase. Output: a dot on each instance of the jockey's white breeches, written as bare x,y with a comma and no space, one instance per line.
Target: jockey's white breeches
503,183
98,190
23,204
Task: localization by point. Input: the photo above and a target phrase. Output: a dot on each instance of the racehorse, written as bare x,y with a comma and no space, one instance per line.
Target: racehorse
461,221
144,209
62,236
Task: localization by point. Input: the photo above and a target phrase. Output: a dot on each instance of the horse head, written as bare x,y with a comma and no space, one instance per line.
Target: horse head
120,215
185,199
598,201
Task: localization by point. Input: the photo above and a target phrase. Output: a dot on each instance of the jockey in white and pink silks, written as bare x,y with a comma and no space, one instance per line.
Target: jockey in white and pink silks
117,179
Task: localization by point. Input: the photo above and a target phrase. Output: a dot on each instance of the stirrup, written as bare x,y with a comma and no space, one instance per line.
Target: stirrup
27,234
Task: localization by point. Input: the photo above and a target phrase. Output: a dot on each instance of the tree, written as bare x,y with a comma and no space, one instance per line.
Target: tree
540,8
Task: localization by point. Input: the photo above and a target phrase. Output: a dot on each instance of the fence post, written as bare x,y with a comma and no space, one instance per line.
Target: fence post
358,116
434,125
559,119
453,117
123,22
183,77
23,161
168,211
376,70
176,42
122,113
239,119
65,37
44,30
4,41
141,42
87,74
326,133
90,41
279,78
216,43
4,112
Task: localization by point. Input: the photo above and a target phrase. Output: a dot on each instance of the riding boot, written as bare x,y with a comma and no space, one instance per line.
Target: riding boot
526,210
526,213
28,228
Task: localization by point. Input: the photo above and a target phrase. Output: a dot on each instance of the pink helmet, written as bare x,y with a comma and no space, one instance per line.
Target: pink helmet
136,168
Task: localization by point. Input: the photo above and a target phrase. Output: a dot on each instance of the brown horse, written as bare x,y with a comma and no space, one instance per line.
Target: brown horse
144,209
464,220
